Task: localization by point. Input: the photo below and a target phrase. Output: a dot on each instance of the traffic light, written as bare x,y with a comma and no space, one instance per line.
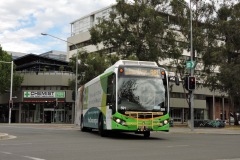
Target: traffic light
191,83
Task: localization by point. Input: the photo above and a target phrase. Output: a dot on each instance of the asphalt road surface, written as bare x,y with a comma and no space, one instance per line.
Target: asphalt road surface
54,143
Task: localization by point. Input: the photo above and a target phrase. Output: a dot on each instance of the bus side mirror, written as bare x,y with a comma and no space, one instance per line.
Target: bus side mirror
110,106
176,80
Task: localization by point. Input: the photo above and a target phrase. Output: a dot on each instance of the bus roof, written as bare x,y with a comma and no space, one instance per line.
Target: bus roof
135,63
131,62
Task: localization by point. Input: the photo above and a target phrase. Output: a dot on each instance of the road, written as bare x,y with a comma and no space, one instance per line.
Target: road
41,142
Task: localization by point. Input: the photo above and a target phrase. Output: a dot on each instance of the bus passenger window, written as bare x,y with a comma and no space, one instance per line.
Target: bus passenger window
111,89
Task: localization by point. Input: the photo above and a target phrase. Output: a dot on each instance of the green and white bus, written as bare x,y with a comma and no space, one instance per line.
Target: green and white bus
130,96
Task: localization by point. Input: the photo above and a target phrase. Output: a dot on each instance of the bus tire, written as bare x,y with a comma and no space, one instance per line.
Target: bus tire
101,131
146,134
82,128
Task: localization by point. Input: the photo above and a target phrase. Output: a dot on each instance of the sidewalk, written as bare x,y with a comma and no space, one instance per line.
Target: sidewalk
187,130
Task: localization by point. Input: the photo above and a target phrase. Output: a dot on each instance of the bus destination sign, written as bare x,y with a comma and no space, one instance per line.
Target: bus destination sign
149,72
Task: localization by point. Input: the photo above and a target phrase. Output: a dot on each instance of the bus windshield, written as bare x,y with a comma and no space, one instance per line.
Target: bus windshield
139,93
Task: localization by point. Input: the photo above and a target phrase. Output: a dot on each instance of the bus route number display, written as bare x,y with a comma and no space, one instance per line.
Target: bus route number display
150,72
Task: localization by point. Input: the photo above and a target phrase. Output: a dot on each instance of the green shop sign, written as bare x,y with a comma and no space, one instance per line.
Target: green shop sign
43,94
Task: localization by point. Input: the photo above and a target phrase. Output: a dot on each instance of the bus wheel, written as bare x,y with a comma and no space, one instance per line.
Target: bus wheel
82,128
101,130
146,134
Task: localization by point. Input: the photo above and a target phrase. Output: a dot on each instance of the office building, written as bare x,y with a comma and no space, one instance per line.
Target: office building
44,96
60,55
207,104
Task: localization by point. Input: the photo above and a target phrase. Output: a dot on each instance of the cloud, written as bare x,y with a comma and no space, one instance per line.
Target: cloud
23,21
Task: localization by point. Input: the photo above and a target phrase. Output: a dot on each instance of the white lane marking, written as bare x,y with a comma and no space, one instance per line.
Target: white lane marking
178,146
11,137
230,159
6,152
17,144
34,158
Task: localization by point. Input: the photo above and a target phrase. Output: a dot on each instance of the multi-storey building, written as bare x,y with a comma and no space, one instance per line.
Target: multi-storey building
207,104
60,55
16,54
44,95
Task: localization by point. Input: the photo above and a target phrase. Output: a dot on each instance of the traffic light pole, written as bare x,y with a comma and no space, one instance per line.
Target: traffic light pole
191,93
191,106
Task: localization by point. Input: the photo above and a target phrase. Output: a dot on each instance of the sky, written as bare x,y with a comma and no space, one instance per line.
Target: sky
23,21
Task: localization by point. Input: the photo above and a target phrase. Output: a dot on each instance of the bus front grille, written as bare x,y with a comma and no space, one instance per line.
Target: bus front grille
143,115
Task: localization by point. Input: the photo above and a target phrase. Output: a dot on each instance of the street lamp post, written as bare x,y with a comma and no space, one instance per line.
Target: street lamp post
11,89
191,92
45,34
191,70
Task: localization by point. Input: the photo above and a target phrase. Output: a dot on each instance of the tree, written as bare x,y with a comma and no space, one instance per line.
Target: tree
229,28
5,72
61,68
154,30
204,38
225,53
139,29
91,65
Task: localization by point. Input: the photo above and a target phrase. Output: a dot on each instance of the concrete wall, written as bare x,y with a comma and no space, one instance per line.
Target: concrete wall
42,79
47,78
199,90
84,36
182,103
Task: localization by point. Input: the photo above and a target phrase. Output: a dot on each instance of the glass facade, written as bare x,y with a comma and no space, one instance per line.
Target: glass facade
83,24
38,112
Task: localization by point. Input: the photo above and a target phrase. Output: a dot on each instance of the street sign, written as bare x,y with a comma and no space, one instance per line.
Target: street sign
190,64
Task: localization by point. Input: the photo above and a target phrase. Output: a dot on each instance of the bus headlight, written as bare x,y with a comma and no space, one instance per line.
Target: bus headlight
165,121
119,121
162,123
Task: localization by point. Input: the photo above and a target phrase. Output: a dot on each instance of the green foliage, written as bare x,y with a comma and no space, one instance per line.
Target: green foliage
138,30
91,65
5,72
222,52
226,54
61,68
71,84
216,32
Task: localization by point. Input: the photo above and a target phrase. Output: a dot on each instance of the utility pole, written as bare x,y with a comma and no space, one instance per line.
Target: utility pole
191,93
11,89
191,66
